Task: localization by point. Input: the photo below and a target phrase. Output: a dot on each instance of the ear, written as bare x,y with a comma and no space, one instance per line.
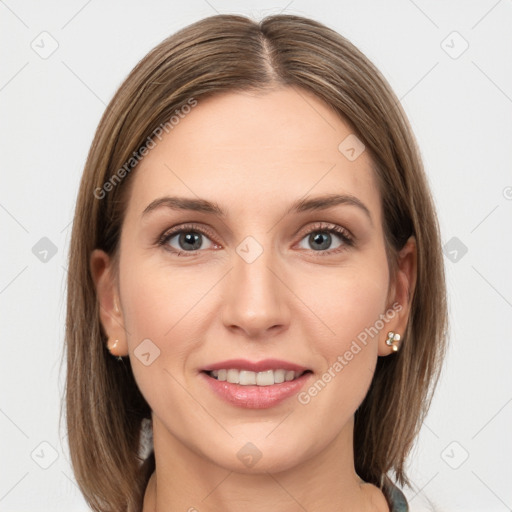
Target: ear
111,316
400,296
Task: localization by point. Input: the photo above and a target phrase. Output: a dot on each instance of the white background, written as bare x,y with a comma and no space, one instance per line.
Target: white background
461,112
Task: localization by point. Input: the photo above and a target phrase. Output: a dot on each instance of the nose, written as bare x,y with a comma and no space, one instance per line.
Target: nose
255,298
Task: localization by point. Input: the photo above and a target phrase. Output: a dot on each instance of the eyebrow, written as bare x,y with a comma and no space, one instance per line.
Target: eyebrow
302,205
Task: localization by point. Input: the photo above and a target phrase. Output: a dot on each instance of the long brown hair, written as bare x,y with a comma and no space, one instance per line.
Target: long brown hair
105,409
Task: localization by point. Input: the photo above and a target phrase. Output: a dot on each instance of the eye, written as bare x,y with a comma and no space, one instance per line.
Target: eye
322,237
186,239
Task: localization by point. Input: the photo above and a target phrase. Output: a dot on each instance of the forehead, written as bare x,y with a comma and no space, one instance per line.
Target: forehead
246,151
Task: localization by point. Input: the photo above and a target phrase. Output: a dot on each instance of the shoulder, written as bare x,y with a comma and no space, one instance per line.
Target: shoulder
376,496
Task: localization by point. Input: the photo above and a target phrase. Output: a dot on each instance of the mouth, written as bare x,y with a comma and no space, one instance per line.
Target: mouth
258,385
251,378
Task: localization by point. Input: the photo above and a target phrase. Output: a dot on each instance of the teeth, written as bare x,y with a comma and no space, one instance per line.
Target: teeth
265,378
279,376
289,376
247,378
233,376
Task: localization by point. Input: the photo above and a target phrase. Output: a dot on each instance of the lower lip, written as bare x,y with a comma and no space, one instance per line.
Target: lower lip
255,397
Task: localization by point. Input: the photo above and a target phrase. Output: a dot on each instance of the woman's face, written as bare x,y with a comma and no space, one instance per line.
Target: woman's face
230,260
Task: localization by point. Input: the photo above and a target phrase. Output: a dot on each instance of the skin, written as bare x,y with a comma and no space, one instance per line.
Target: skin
254,155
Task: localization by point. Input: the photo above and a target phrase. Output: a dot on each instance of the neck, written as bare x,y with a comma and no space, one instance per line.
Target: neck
186,481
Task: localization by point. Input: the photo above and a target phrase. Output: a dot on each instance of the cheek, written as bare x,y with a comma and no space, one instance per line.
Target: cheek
351,305
158,299
161,308
348,300
360,300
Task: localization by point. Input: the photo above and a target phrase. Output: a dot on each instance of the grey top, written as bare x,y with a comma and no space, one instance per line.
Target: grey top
395,497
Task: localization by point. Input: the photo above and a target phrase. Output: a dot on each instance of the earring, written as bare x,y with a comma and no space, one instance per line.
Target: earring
392,339
112,347
119,358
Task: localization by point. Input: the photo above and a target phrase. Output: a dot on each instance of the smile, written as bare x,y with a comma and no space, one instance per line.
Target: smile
249,378
255,385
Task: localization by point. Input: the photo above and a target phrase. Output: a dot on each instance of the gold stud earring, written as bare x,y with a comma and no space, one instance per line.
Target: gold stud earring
392,340
112,347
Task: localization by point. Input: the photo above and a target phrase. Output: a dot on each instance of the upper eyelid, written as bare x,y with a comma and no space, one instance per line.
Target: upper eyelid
325,226
169,233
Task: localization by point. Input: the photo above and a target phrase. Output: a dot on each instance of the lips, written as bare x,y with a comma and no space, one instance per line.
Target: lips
255,385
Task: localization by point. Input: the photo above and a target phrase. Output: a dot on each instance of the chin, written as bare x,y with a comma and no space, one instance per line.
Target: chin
259,457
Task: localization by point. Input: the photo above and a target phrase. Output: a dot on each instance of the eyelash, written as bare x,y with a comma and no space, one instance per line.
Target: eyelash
320,227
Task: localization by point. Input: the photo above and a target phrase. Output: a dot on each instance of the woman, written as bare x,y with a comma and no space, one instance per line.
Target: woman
256,283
